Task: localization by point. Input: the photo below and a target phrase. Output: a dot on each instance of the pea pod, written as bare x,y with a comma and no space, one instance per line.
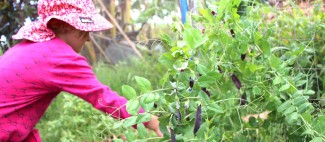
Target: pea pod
232,33
213,13
206,91
187,105
220,70
191,83
198,119
172,135
179,116
243,56
236,81
243,100
186,113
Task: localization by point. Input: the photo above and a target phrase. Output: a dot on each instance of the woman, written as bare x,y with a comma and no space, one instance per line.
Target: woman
46,62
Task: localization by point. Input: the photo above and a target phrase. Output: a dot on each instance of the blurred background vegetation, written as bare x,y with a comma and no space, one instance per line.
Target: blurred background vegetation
143,21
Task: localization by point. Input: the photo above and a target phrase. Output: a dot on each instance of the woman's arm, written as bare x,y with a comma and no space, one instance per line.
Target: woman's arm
75,76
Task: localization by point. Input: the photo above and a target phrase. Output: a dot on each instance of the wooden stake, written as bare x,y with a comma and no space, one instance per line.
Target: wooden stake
91,51
100,49
112,11
120,29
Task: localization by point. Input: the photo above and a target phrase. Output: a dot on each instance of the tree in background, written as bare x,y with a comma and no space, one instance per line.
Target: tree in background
12,15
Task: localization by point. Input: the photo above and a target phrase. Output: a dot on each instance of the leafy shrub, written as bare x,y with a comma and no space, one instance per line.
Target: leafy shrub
237,66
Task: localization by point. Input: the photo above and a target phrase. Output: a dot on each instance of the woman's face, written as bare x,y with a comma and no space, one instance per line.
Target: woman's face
76,39
72,36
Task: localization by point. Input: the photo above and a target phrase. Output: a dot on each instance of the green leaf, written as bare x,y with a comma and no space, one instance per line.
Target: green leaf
243,48
149,98
293,117
277,80
214,74
301,82
300,100
180,65
303,108
189,37
284,87
289,110
143,83
166,59
130,136
256,90
202,69
253,122
216,108
144,117
204,97
266,124
309,92
226,40
265,47
177,53
192,37
118,124
118,140
307,117
284,106
130,121
181,44
166,39
317,139
201,41
133,106
142,131
275,62
252,67
222,8
319,124
205,81
128,92
163,80
147,107
206,13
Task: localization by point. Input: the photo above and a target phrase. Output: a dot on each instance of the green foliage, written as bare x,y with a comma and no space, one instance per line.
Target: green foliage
72,119
124,72
239,66
160,8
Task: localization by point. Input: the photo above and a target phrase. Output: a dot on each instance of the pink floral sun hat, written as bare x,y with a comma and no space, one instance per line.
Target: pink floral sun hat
81,14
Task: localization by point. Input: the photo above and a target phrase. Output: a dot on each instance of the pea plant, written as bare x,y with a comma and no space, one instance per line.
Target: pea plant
221,68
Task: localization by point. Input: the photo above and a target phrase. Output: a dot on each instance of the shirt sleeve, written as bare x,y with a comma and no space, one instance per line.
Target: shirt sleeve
75,76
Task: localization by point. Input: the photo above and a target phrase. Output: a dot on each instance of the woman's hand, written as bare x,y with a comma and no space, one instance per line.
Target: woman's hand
153,125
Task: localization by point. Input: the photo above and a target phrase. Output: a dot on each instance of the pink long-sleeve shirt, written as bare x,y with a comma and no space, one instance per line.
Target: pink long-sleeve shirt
32,74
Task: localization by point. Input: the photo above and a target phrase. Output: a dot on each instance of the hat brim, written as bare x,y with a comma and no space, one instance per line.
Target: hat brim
84,22
37,31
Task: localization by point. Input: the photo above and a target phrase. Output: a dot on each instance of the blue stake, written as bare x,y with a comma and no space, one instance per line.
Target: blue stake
184,9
